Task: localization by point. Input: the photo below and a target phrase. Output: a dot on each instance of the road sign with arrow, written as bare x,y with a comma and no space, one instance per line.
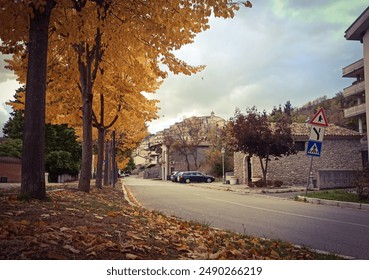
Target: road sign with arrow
319,123
314,146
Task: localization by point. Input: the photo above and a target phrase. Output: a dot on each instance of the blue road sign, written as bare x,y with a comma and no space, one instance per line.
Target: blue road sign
314,148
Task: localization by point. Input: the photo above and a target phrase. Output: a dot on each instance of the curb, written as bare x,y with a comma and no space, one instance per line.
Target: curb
247,190
335,203
129,197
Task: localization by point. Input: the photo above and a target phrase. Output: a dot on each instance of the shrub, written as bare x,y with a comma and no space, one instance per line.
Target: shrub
268,183
361,183
260,184
60,162
278,183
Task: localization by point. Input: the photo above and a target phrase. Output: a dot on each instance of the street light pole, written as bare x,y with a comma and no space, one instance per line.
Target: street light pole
223,152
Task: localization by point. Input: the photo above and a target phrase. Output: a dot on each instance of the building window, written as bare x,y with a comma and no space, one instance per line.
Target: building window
300,146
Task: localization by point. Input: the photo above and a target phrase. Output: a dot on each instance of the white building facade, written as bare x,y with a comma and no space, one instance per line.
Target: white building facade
359,31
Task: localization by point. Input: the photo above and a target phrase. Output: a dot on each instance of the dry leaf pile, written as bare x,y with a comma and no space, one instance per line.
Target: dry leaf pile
102,225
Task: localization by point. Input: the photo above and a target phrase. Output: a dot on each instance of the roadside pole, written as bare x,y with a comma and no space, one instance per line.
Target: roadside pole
314,145
309,174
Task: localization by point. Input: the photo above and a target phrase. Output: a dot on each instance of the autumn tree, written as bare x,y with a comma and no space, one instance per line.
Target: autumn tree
92,31
254,135
102,126
80,51
144,37
120,96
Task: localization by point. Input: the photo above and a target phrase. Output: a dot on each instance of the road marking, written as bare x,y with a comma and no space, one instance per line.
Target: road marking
288,213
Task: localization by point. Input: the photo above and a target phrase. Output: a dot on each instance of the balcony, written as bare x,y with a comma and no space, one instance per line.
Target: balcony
355,111
353,69
355,89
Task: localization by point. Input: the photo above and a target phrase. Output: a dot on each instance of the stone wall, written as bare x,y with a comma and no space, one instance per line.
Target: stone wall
239,167
332,179
293,170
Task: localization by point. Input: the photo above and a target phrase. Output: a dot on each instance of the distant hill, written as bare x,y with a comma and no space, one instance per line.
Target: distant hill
333,108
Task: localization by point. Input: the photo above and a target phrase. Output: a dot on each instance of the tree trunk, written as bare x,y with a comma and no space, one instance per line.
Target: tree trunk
87,96
188,163
101,139
88,64
100,157
107,165
33,158
266,168
85,176
263,169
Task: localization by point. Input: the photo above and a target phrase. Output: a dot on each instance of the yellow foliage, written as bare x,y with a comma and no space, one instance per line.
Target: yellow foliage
129,42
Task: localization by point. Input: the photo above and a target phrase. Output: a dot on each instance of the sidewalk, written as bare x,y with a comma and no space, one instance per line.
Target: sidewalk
287,192
245,189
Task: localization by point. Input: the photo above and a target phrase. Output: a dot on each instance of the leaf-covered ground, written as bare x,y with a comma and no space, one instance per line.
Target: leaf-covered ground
102,225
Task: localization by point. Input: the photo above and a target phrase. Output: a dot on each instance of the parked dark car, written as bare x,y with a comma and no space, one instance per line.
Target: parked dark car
174,176
194,176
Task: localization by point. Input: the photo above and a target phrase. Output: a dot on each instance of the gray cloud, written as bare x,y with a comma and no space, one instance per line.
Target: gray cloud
265,56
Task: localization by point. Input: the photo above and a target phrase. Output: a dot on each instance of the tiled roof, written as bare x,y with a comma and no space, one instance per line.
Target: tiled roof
303,129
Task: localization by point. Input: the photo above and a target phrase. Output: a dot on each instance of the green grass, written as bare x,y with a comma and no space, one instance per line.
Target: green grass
339,195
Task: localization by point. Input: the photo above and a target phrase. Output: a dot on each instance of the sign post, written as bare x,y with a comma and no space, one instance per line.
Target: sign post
314,146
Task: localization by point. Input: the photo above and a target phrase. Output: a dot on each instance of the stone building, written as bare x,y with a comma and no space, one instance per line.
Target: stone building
161,158
341,150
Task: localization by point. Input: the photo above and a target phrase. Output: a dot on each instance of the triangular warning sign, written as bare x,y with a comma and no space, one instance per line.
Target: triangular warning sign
319,119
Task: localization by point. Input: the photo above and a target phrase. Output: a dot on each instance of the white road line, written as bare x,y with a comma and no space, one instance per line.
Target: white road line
288,213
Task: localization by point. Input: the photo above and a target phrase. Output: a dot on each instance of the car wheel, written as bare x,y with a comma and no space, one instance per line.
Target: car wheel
208,180
188,180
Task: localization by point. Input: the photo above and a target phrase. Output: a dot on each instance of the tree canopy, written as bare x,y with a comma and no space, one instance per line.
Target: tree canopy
114,47
254,135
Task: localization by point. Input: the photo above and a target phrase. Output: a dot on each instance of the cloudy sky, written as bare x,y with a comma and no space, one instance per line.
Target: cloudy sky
277,51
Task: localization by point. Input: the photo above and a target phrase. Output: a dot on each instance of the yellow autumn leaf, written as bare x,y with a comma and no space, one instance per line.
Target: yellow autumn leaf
112,214
25,222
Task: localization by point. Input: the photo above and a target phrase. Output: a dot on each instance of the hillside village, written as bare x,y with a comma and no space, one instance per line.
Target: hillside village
345,144
155,160
345,147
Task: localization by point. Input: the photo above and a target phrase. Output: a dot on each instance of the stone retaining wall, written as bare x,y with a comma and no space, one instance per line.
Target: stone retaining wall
293,170
332,179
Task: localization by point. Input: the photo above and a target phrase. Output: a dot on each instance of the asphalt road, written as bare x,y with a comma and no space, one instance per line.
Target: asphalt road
333,229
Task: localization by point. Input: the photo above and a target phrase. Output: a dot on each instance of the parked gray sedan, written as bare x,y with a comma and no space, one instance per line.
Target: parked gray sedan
194,176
